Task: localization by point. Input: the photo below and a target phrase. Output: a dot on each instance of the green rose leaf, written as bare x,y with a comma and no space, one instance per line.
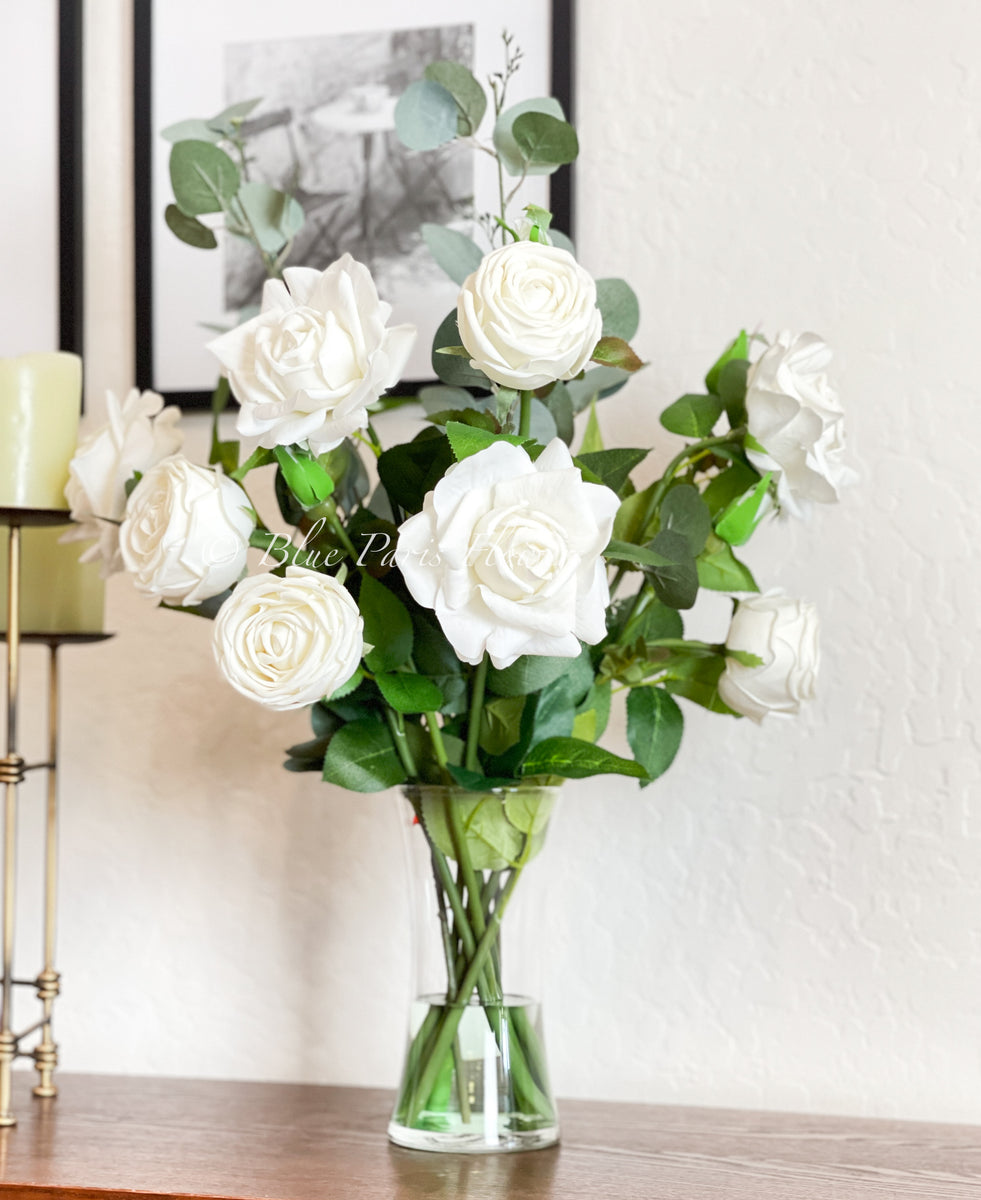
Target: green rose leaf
275,217
742,517
468,439
699,683
544,140
362,758
387,626
720,570
613,467
738,348
203,177
529,673
426,115
409,470
458,255
435,658
573,759
618,303
465,90
729,485
305,477
506,145
732,389
615,352
452,370
692,416
675,582
654,728
410,693
189,229
629,524
684,511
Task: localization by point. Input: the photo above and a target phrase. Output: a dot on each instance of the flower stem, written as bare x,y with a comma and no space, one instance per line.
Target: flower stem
476,711
524,421
397,729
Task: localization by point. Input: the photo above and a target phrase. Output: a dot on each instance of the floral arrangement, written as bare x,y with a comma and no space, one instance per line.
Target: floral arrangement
462,609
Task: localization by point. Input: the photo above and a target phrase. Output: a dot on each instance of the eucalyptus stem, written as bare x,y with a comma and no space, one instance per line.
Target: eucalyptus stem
476,711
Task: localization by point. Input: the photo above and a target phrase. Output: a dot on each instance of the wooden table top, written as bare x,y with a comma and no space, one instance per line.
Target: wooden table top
113,1137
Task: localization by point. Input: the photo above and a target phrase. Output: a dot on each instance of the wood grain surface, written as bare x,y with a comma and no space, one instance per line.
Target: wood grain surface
114,1137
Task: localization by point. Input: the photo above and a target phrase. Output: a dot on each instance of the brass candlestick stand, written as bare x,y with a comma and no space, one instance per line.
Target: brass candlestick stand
13,771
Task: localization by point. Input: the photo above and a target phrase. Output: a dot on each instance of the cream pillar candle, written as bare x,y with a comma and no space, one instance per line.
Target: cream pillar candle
40,400
58,594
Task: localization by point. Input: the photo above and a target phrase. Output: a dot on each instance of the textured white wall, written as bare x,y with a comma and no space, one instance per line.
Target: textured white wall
792,916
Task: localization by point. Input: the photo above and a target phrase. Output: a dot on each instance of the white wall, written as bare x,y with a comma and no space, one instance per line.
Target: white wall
791,917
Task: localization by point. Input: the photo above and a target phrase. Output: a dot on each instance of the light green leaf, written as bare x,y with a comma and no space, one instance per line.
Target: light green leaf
504,140
305,477
529,673
620,307
203,177
229,119
692,416
465,90
410,693
729,485
573,759
559,404
458,255
596,384
641,556
467,439
720,570
529,809
500,723
426,115
194,130
630,524
362,758
592,439
275,217
544,140
742,517
654,728
387,626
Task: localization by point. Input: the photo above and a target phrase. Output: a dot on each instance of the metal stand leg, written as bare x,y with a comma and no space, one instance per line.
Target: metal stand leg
45,1053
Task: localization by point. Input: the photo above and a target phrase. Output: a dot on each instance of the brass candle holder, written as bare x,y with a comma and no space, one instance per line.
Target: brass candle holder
13,772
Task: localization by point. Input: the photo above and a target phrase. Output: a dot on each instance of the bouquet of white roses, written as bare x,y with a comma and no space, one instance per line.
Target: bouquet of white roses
461,610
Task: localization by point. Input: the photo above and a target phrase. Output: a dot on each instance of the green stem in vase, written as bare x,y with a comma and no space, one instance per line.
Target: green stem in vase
524,420
476,711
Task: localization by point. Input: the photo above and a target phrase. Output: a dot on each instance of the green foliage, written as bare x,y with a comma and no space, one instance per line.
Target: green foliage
470,98
684,511
692,416
592,439
452,369
305,476
500,724
615,352
467,440
618,303
720,570
654,728
362,758
204,178
506,144
729,485
529,673
273,217
410,693
544,141
675,581
559,404
189,229
458,255
572,759
435,659
699,683
742,516
495,836
632,523
387,626
410,470
426,115
613,467
595,384
732,389
737,348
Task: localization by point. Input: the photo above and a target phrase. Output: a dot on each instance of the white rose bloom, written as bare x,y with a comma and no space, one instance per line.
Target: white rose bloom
509,554
795,414
186,532
288,642
137,436
305,369
784,634
528,316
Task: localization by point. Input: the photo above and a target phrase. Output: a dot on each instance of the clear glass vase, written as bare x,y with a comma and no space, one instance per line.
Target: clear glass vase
475,1078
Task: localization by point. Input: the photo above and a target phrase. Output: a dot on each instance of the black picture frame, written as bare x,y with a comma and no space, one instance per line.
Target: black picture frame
71,255
144,132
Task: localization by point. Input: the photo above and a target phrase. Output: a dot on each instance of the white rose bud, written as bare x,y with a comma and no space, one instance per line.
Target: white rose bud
288,642
795,414
784,634
306,368
186,533
137,436
509,554
528,316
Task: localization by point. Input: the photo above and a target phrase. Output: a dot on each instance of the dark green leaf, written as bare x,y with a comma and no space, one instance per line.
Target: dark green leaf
732,390
504,140
189,229
409,470
729,485
435,658
632,523
555,710
639,556
361,757
657,621
452,370
618,303
654,729
465,90
203,177
684,511
738,348
387,626
593,714
409,693
559,404
572,759
473,781
530,673
467,440
615,352
612,467
676,583
692,416
544,140
426,115
720,570
700,684
500,724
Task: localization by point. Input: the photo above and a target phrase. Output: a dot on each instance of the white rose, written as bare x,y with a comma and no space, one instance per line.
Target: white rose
305,369
186,532
508,552
528,316
138,436
288,642
795,414
784,634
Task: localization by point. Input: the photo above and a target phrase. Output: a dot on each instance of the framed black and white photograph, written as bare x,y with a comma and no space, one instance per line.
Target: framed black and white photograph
328,79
